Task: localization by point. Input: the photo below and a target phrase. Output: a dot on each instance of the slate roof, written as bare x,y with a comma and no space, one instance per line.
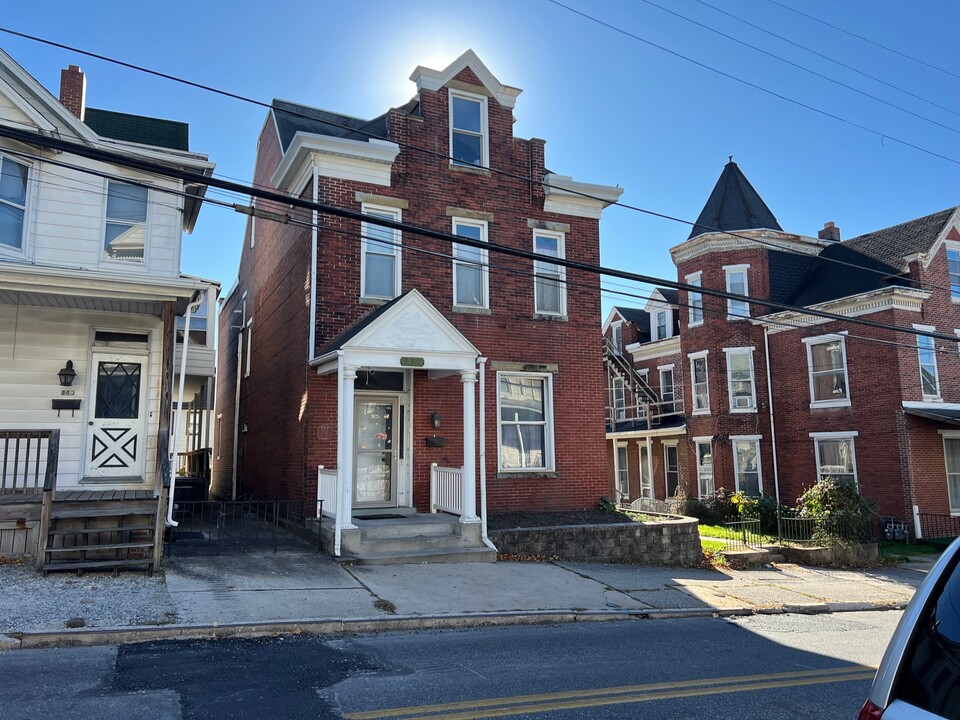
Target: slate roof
891,245
355,329
840,271
168,134
292,118
733,205
670,295
788,272
634,315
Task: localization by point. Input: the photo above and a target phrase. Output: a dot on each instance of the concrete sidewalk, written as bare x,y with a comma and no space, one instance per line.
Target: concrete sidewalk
305,591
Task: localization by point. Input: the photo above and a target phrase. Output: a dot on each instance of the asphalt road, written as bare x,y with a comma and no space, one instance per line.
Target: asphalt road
777,666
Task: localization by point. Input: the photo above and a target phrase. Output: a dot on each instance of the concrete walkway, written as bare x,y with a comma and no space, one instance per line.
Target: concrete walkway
305,591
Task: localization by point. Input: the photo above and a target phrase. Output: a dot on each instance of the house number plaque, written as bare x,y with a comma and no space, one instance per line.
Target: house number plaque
411,362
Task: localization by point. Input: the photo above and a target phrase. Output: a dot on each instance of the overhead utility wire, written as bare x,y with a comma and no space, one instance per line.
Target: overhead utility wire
188,176
828,58
865,39
774,93
433,153
799,66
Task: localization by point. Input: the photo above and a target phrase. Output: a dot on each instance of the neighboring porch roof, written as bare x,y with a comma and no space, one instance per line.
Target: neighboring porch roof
408,328
946,415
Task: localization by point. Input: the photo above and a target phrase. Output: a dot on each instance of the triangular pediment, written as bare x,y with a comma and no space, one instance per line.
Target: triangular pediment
428,79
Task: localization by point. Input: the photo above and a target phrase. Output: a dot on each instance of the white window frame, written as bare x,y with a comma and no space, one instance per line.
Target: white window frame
619,399
219,433
622,471
697,443
663,370
695,300
397,216
851,436
953,280
617,336
246,364
560,274
755,439
548,441
666,324
737,309
953,502
748,351
27,192
129,263
693,357
646,474
670,445
484,265
822,340
932,349
484,129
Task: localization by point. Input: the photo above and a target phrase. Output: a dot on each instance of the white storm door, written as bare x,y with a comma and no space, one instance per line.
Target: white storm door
375,463
116,443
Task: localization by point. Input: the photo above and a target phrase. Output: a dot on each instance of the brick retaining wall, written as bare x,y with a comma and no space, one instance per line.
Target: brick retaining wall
674,542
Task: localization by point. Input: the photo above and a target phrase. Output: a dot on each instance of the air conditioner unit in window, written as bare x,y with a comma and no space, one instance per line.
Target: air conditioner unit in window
743,402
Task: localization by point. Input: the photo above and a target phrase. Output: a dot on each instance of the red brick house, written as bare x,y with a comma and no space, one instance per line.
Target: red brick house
352,354
878,406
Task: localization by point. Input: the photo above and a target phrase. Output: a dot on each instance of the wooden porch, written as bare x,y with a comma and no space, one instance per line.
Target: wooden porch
74,529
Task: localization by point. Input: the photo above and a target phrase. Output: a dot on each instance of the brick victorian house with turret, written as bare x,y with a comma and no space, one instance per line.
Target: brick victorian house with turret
405,381
767,402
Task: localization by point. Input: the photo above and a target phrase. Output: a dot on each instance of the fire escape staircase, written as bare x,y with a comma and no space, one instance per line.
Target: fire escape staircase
645,399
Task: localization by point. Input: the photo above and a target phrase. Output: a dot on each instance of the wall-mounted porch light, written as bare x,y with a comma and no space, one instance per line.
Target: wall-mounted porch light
435,420
67,374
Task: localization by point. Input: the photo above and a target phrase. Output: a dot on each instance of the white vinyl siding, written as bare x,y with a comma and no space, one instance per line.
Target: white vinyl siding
827,367
700,383
469,145
695,301
741,383
470,266
737,284
525,427
836,455
380,255
746,464
550,288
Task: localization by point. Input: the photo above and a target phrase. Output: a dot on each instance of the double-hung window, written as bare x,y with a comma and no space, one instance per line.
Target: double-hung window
953,270
699,382
746,464
927,351
470,268
619,399
468,130
126,227
951,456
705,484
623,472
671,469
827,363
618,338
550,289
741,384
525,412
646,480
695,300
13,202
836,456
380,255
737,285
661,324
667,390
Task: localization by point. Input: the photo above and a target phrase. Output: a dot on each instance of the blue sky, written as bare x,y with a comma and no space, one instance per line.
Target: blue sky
612,109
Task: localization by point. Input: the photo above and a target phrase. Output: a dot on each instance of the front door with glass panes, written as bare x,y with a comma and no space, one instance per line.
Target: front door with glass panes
375,449
116,440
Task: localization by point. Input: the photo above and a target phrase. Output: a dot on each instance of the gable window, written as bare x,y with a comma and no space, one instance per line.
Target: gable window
827,364
671,469
661,324
525,424
951,453
470,268
13,202
953,270
550,293
695,301
836,457
746,464
705,484
929,378
623,472
380,255
468,130
700,385
667,390
741,386
126,227
737,284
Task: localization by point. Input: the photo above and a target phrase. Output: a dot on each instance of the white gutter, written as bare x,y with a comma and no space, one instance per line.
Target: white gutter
194,305
338,516
311,348
773,430
482,362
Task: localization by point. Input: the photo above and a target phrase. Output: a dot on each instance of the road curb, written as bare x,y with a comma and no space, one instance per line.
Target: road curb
88,637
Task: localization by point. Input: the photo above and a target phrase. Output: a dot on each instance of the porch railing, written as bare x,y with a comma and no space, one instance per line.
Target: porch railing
28,459
194,463
326,491
445,489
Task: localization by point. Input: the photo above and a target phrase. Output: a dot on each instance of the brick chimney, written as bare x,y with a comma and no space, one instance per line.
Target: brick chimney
830,232
73,90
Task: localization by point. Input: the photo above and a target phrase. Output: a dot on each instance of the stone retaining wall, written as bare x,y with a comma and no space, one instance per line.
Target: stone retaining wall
675,541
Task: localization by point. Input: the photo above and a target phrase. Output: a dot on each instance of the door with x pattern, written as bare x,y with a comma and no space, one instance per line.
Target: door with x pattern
116,438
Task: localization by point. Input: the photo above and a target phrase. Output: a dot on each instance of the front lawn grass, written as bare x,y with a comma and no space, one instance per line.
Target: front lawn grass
900,550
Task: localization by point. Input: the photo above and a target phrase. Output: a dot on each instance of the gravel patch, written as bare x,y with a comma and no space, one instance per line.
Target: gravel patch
30,602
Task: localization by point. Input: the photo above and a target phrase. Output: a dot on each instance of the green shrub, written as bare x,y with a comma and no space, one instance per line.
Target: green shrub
605,504
839,508
764,508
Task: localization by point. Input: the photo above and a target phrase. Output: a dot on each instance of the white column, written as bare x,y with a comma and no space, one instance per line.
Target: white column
468,498
346,436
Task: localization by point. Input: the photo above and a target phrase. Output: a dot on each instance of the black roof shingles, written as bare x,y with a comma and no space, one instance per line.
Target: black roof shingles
139,129
292,118
733,205
892,244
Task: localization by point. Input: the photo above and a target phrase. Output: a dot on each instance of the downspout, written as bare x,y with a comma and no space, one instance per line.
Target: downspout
338,506
193,305
773,429
236,418
482,362
311,348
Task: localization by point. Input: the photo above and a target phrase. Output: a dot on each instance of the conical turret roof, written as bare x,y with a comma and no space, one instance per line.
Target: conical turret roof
734,205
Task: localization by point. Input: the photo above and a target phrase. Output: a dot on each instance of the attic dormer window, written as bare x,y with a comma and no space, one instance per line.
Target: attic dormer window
468,130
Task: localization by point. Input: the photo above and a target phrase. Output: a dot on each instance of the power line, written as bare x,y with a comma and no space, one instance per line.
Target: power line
865,39
799,66
748,83
429,152
824,56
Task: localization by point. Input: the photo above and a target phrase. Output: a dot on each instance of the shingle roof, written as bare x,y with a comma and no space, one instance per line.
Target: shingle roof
733,205
634,315
168,134
891,245
840,271
670,295
292,118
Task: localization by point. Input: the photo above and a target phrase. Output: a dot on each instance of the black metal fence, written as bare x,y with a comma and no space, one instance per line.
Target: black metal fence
212,526
742,533
939,527
750,532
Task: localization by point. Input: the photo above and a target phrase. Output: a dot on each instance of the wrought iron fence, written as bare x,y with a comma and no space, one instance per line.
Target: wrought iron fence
742,533
938,527
797,529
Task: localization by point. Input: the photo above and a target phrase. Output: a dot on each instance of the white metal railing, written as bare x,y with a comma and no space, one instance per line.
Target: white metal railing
624,408
445,489
327,490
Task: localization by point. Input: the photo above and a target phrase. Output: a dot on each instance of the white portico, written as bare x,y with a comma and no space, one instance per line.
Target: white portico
376,361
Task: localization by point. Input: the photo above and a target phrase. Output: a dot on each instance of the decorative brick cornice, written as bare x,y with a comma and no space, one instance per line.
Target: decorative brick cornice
892,298
745,240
